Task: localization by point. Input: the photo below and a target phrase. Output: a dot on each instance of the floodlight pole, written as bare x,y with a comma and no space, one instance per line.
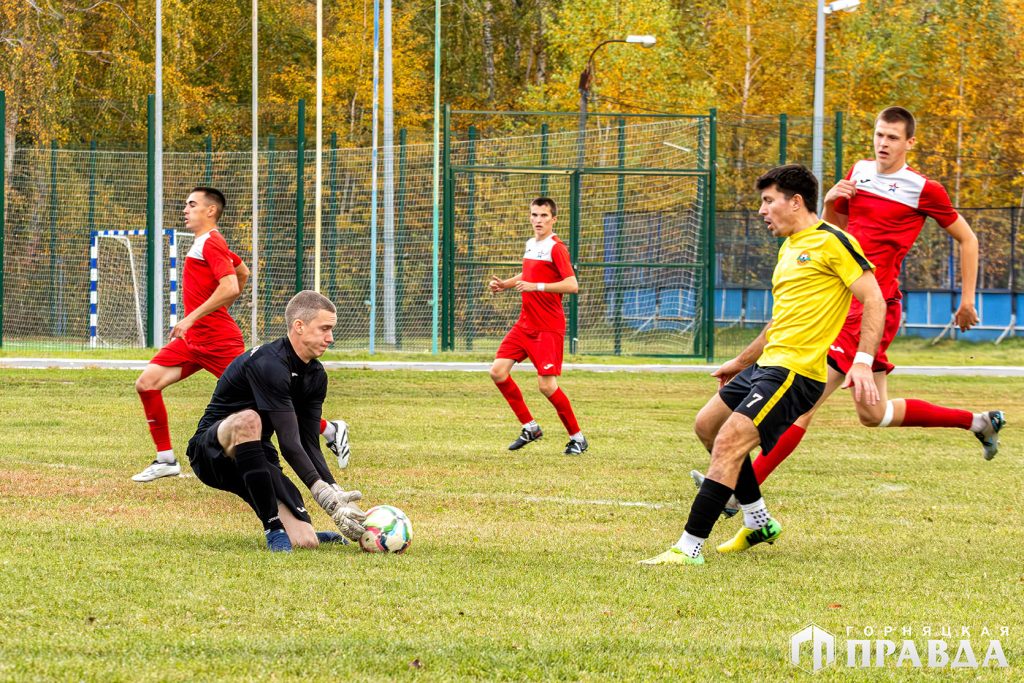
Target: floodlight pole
318,185
156,295
435,218
818,133
254,181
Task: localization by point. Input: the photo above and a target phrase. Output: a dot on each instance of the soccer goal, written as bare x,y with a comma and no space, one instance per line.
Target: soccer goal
117,290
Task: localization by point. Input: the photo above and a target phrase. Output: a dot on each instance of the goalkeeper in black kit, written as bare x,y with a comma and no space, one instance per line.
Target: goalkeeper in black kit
279,388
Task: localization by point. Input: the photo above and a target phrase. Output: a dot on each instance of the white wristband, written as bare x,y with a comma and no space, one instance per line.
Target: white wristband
865,358
540,286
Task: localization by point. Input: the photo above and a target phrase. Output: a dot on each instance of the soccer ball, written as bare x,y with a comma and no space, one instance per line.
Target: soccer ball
388,530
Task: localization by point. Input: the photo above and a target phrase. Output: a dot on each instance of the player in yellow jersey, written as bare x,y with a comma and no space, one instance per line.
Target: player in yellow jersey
782,373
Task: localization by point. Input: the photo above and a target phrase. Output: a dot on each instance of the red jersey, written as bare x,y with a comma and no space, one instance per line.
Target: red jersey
544,261
887,214
206,263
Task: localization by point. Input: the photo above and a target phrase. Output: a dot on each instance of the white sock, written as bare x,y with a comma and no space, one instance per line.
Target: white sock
166,456
690,544
531,425
330,431
755,515
577,437
979,422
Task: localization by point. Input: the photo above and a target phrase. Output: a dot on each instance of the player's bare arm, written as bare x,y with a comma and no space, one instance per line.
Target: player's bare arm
227,291
845,189
242,273
744,360
860,377
567,286
966,316
496,284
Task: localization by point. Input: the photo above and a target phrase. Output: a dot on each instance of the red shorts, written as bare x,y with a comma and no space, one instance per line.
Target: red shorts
844,348
192,358
544,349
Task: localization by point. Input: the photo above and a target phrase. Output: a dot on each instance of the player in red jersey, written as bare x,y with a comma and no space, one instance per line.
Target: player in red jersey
539,334
884,204
207,337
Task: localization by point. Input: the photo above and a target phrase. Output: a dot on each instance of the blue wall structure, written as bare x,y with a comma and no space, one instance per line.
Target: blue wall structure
926,312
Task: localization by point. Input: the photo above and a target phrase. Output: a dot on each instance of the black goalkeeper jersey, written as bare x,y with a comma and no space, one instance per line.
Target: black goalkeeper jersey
269,378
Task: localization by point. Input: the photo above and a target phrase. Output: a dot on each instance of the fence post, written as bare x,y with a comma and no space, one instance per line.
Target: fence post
574,250
783,137
92,185
332,212
54,324
209,160
3,200
620,227
151,264
300,195
544,143
839,147
471,239
400,237
448,240
709,290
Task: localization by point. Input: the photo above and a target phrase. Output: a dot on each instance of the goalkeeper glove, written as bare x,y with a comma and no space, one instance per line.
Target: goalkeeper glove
341,506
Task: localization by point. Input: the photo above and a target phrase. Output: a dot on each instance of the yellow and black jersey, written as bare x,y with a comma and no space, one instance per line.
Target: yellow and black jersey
811,288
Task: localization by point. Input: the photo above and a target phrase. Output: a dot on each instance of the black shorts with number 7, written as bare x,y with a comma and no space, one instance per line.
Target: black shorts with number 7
772,397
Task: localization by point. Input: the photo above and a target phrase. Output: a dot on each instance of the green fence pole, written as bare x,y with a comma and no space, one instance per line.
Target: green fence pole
267,229
544,153
3,202
471,240
447,270
709,290
400,237
209,161
783,137
574,251
839,147
53,238
300,195
330,220
151,264
620,227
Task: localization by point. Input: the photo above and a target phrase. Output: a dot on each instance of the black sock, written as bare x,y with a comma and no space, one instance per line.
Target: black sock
707,506
252,466
747,489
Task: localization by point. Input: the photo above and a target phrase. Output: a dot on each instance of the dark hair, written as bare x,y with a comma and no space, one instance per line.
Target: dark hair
546,201
899,115
214,196
792,179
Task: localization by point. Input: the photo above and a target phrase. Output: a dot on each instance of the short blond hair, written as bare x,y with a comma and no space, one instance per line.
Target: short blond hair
305,306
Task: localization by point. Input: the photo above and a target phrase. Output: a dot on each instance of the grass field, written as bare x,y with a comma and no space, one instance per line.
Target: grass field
523,566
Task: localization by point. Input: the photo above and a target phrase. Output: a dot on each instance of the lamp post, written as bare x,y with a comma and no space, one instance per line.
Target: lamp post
584,88
819,80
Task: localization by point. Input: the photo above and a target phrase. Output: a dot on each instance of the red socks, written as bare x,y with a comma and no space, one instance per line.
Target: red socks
765,463
156,415
510,390
323,425
561,403
924,414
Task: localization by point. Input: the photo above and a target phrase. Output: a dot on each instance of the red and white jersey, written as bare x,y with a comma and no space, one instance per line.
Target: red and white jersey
887,214
206,263
544,261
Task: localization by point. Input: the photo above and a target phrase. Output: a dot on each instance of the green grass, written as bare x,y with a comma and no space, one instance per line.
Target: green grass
518,569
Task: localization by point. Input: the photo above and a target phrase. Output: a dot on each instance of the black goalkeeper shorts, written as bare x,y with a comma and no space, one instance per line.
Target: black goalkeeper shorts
215,469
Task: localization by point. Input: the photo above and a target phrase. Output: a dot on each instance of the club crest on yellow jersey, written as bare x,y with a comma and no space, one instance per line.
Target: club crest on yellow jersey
804,257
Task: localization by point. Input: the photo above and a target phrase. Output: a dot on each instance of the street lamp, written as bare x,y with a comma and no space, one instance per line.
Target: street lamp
584,85
819,79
